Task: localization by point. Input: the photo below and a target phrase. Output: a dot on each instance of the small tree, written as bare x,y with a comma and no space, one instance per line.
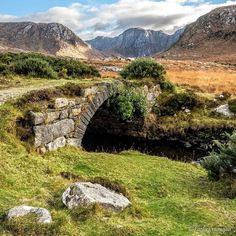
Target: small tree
222,163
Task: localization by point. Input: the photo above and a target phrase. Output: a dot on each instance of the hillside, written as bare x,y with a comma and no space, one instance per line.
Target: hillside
168,197
212,36
52,38
135,42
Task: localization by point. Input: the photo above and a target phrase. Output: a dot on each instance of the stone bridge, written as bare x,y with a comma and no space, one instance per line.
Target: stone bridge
66,123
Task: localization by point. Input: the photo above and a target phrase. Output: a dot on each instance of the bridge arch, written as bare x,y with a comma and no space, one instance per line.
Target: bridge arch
67,122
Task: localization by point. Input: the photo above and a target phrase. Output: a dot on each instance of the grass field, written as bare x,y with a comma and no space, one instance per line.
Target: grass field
210,81
168,197
207,77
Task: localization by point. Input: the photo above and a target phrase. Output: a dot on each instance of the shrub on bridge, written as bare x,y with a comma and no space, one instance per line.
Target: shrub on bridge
222,164
129,104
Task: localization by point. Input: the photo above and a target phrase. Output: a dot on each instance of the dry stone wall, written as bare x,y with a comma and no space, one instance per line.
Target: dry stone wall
67,122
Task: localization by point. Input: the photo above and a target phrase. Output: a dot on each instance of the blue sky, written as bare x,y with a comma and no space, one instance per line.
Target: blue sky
90,18
23,7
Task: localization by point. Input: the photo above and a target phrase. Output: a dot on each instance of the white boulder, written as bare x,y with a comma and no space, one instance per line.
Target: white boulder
43,215
224,110
85,193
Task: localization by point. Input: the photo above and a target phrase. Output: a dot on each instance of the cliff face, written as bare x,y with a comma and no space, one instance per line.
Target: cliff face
212,35
52,38
136,42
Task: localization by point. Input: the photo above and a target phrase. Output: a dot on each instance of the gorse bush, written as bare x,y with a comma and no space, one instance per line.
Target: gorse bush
222,163
42,66
143,68
170,104
128,104
73,68
166,85
4,69
34,67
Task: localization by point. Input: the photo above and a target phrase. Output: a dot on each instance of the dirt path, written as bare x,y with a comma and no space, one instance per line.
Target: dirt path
16,92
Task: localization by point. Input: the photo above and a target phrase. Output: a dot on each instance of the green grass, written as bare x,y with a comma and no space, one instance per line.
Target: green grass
20,81
168,197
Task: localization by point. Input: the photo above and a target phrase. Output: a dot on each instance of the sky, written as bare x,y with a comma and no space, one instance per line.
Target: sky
91,18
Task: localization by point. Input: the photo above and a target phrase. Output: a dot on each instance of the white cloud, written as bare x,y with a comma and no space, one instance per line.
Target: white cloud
111,19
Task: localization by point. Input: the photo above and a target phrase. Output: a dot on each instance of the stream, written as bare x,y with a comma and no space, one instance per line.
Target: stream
174,150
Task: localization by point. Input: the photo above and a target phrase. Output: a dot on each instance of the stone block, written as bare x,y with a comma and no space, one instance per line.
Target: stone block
57,143
61,102
62,128
75,142
64,114
52,116
37,118
89,91
75,112
45,134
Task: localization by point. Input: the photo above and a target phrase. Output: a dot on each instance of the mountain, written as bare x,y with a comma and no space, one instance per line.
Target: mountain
52,38
212,36
135,42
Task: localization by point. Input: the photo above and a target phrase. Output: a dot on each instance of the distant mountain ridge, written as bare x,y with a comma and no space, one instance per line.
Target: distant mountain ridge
135,42
213,36
51,38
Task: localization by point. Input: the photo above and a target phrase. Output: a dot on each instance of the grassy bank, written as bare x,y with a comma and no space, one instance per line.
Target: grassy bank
168,197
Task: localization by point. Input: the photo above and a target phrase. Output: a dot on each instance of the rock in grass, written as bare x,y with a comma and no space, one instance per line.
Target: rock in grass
43,215
82,194
224,110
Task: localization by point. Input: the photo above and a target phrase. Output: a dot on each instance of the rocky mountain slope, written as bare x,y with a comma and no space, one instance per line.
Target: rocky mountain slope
52,38
211,36
136,42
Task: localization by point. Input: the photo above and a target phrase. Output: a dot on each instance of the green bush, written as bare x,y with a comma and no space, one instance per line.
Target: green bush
222,163
143,68
35,67
73,68
170,104
232,105
4,70
128,104
167,86
63,67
